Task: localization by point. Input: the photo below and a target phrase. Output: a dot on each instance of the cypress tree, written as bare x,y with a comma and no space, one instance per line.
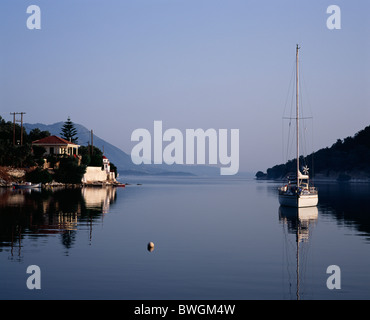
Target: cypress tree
69,132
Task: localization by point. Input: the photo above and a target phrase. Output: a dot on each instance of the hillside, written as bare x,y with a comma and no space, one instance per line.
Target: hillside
345,160
121,159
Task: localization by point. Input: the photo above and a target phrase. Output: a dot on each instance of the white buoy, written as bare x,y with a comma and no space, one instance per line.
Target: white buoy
150,246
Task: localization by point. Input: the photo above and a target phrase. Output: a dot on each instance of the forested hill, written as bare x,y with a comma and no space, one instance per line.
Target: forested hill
344,160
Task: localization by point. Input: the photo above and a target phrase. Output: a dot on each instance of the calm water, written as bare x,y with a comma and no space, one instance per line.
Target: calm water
220,238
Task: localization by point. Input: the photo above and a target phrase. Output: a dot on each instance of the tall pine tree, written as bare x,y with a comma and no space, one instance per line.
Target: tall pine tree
69,132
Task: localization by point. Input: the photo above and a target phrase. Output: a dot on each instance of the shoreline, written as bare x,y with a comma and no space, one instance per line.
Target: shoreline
9,176
328,180
47,186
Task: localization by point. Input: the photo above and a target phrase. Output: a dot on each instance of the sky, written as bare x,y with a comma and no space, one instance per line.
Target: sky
116,66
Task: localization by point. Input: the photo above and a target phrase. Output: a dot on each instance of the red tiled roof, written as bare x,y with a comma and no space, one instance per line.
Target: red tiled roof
52,140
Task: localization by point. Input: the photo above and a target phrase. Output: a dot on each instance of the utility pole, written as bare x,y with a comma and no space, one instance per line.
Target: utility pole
92,143
14,121
13,113
22,127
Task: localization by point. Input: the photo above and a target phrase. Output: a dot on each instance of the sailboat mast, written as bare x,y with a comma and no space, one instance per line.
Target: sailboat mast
297,112
298,233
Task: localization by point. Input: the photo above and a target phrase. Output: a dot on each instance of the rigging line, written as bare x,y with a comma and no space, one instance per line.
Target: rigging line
289,144
306,91
282,139
307,97
285,259
289,88
287,136
304,149
308,251
292,104
307,145
287,256
312,254
312,157
301,118
301,115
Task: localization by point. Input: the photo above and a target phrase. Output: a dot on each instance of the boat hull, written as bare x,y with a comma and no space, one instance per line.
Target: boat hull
26,186
299,201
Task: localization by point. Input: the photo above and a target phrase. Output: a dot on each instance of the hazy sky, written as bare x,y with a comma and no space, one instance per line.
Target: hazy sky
115,66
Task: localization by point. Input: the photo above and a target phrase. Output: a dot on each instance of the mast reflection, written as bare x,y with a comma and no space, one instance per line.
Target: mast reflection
298,221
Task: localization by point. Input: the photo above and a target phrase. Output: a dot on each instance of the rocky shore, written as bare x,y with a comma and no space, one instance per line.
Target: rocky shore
10,176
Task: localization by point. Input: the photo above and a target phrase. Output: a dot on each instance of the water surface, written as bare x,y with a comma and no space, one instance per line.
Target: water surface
215,238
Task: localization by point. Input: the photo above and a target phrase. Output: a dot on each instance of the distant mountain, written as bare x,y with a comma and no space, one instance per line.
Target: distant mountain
120,158
345,160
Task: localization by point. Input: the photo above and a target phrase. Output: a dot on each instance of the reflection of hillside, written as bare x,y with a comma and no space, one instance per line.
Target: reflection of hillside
12,199
348,203
26,213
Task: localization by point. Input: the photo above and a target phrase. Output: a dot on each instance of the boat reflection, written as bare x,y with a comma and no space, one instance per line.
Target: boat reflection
298,222
29,214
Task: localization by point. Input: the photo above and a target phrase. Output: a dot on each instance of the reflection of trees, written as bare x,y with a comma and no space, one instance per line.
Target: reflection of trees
68,238
348,203
49,212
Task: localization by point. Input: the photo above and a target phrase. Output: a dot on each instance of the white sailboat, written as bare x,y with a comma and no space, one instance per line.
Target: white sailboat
298,192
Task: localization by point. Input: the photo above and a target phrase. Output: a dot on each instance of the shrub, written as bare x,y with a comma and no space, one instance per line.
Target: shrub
69,171
39,175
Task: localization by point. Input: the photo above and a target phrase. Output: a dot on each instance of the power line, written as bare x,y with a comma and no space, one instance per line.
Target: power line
14,121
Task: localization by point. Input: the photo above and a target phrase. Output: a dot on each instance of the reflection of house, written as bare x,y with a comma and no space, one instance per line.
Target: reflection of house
57,146
99,198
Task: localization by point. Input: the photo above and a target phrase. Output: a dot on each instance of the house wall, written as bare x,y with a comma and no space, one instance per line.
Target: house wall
94,174
112,176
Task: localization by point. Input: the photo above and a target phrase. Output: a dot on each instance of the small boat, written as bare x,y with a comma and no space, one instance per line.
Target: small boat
26,185
122,185
298,192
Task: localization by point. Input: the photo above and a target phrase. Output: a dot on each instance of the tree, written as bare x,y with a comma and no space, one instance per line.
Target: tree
38,154
69,171
39,175
69,132
261,175
113,168
37,134
92,160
